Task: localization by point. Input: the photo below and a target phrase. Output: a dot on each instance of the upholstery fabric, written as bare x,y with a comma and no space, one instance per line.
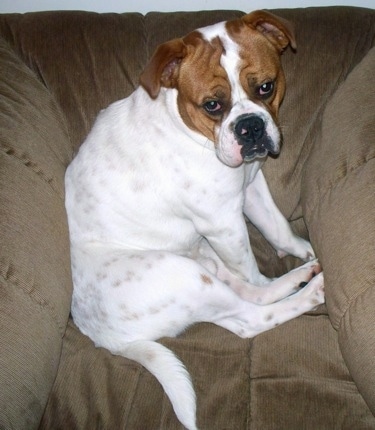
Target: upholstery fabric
34,261
340,212
58,70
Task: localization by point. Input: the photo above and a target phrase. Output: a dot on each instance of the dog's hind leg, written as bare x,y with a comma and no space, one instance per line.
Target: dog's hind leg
251,320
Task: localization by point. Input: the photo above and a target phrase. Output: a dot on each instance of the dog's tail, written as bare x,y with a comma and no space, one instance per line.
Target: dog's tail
171,374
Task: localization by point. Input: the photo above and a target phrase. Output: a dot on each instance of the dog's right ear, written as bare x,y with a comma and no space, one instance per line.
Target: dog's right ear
279,31
162,70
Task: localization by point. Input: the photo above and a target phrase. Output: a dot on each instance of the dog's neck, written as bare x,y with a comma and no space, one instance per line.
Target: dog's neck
168,97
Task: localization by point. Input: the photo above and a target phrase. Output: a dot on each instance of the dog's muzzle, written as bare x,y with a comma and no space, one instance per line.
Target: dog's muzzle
251,134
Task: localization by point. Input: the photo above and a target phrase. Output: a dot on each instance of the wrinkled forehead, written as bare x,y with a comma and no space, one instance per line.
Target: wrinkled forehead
235,36
219,32
236,52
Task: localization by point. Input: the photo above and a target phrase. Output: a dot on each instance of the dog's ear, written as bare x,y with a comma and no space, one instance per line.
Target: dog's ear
278,31
162,70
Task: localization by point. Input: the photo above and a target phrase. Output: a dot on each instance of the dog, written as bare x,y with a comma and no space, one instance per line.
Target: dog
159,194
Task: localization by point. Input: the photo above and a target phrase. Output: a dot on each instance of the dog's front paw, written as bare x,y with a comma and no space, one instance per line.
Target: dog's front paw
314,291
298,247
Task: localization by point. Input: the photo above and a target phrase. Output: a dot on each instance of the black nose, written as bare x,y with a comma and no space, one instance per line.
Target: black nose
249,129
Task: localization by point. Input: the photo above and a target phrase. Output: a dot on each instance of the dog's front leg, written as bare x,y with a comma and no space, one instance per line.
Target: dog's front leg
262,211
228,237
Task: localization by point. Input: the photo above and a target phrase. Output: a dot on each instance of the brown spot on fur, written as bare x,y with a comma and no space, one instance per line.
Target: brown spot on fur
101,276
137,257
131,316
149,356
206,279
129,276
102,316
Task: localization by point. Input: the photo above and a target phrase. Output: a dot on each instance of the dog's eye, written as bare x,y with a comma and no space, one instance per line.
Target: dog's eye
266,89
213,107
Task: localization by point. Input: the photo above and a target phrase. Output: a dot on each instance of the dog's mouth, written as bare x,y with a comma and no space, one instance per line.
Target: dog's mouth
250,151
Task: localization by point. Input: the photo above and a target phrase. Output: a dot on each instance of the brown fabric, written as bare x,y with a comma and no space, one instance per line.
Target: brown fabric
35,285
340,211
291,378
81,58
298,380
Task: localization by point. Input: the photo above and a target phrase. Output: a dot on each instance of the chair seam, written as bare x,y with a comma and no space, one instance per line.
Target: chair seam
25,159
36,298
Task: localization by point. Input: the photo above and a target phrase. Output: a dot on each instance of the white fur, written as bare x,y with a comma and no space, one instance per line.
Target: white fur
159,240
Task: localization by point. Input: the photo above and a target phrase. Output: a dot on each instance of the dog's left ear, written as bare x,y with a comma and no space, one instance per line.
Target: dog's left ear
162,70
278,31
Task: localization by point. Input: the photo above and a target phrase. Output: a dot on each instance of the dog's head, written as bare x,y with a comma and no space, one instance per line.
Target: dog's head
229,82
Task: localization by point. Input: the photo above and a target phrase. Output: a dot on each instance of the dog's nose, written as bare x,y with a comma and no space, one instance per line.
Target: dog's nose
249,129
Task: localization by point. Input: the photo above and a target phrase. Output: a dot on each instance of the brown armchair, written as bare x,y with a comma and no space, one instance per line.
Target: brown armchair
57,70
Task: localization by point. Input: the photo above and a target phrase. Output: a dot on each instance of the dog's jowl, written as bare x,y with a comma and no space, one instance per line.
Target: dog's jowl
156,199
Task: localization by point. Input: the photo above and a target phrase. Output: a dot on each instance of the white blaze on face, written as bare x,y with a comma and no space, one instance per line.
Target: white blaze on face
230,60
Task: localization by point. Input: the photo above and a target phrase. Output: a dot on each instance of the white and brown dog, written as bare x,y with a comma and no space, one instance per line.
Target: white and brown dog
156,199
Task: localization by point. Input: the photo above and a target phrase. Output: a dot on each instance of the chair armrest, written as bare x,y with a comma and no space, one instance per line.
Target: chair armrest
339,206
35,280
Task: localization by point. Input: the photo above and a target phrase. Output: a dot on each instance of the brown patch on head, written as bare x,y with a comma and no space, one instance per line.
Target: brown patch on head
206,279
261,64
203,80
192,66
